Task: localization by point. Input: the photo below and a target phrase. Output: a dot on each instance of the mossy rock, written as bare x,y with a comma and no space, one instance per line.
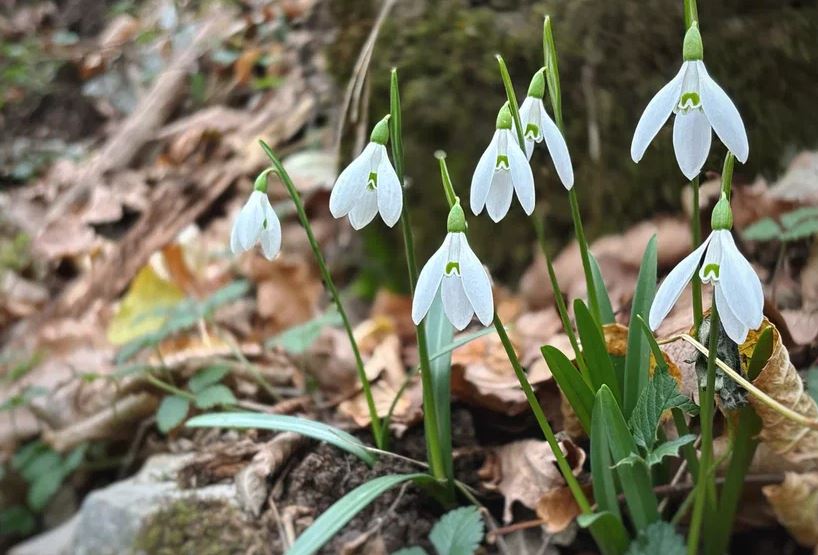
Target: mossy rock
613,57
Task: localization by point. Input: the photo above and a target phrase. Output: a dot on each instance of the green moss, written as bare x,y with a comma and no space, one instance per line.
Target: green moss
204,527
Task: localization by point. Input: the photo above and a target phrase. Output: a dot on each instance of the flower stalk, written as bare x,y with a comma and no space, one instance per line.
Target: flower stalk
376,424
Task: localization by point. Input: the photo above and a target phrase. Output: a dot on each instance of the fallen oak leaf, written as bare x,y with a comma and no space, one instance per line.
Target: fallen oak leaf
795,503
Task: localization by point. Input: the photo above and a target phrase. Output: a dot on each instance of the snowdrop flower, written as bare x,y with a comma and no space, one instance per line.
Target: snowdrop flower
455,270
738,294
369,184
699,104
502,170
538,125
257,222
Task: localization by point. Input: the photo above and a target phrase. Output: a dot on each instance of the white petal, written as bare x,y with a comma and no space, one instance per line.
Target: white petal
429,281
713,257
456,304
674,284
351,184
271,235
481,180
364,210
656,114
733,326
742,288
500,193
521,177
723,115
691,141
558,150
390,193
250,219
235,247
476,283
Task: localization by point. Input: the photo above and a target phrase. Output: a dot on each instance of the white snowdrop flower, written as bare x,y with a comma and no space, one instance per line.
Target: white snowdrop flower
257,223
699,104
738,294
369,184
538,126
502,170
455,270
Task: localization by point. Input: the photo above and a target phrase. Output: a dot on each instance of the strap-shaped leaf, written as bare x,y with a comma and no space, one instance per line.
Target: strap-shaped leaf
595,351
571,383
285,423
636,359
608,531
606,312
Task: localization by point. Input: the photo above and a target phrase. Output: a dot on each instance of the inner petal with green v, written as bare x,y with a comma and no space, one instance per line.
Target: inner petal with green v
372,182
711,271
501,163
532,131
452,267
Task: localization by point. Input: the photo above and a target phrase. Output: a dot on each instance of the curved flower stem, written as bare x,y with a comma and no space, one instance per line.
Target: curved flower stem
706,460
430,422
322,265
562,462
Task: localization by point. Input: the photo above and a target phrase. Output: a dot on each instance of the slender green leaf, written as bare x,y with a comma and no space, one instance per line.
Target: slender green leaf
213,396
573,386
206,377
284,423
602,473
458,532
658,538
298,339
764,229
635,480
606,312
439,333
637,357
608,531
761,353
660,394
172,411
595,351
343,510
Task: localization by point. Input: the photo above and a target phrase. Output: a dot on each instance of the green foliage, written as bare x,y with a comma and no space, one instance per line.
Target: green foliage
44,470
595,351
659,395
812,383
637,358
22,399
17,521
171,412
458,532
761,353
343,510
439,333
659,537
297,339
207,377
608,531
801,223
605,309
572,384
213,396
284,423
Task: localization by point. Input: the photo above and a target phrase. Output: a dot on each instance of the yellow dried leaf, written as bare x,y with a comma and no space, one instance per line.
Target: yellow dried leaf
795,503
139,312
781,381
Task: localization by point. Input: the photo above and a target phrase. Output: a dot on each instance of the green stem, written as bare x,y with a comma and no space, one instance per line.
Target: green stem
445,178
706,459
593,301
691,13
166,387
430,422
688,451
322,265
696,233
512,101
727,174
562,462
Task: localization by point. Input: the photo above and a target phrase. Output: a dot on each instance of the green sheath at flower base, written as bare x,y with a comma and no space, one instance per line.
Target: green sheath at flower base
692,48
537,86
456,223
722,217
504,117
261,181
380,133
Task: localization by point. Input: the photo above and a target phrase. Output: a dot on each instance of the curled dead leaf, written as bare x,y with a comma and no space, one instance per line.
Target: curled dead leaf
251,481
558,509
795,503
780,380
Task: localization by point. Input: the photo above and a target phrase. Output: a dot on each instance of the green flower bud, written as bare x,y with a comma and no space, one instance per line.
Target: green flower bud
380,133
261,181
504,117
537,86
722,217
456,223
692,48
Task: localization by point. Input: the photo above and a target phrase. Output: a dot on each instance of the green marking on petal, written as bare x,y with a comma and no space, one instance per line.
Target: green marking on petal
452,267
712,270
532,131
501,163
372,182
690,100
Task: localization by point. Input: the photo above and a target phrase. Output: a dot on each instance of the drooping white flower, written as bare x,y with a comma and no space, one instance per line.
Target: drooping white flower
699,104
538,126
369,184
738,294
502,171
257,223
455,270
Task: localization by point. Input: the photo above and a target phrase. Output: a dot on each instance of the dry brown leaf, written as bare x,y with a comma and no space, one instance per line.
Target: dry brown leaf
802,325
800,183
557,508
251,481
288,293
397,308
795,502
526,470
780,380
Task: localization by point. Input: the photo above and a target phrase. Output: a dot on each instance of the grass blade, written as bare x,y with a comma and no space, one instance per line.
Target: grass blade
602,473
439,334
600,367
285,423
606,313
573,386
608,532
